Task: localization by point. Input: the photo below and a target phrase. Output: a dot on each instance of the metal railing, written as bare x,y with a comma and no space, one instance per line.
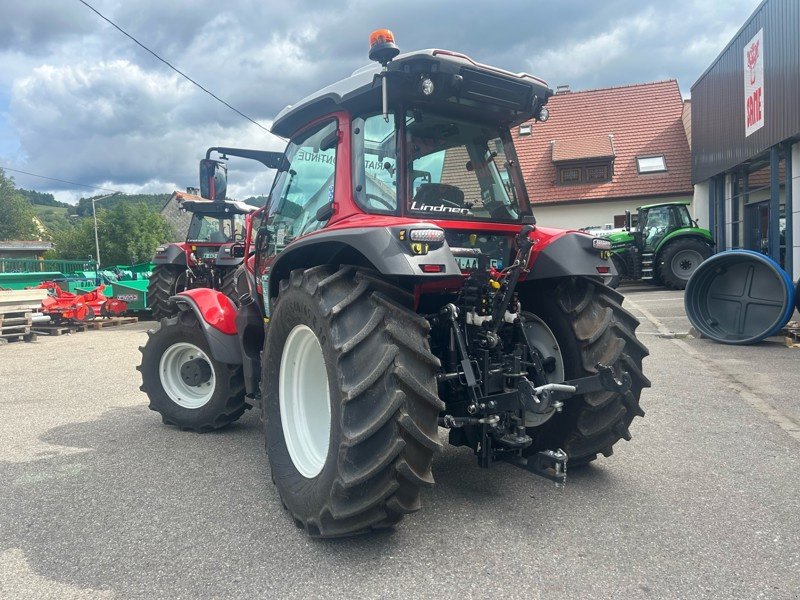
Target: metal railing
35,265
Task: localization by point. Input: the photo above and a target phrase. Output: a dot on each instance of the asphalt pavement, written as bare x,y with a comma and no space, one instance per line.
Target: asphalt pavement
99,499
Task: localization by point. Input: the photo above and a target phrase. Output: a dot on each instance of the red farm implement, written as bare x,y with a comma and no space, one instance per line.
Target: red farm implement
66,306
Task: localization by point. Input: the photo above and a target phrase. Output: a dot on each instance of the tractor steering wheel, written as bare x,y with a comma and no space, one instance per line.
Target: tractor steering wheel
380,200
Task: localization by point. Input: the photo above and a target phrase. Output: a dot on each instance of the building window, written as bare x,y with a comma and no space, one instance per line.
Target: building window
570,175
596,174
651,164
525,129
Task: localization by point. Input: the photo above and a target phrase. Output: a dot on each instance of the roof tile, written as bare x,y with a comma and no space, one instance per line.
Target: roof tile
640,120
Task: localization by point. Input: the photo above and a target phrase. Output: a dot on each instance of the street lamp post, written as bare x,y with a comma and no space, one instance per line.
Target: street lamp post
96,239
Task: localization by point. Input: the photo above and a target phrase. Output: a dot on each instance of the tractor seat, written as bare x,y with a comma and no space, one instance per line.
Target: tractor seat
435,193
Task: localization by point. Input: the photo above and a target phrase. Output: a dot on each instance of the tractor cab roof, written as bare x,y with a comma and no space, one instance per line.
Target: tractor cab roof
674,203
198,204
461,87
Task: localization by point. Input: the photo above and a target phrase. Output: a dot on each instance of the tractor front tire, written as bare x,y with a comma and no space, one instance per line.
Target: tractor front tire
679,259
165,282
591,328
350,396
185,384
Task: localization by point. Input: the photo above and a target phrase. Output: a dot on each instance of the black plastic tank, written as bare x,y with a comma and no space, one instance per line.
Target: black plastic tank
739,297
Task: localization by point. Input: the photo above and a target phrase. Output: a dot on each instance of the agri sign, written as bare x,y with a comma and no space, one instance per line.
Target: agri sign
754,84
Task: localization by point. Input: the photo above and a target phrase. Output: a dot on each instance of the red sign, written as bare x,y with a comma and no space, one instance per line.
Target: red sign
754,84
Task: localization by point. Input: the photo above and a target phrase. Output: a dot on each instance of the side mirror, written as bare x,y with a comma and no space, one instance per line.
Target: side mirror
628,220
213,179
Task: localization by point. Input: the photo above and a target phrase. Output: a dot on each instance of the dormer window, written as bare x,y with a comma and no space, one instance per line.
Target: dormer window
651,164
584,160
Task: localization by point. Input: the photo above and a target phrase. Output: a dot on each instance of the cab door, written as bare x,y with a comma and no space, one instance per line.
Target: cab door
301,197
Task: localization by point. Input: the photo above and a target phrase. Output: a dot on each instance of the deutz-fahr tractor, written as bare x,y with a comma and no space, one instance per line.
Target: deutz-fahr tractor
213,249
398,285
665,247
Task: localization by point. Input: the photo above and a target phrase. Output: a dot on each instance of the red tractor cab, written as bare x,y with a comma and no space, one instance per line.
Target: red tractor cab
399,283
213,249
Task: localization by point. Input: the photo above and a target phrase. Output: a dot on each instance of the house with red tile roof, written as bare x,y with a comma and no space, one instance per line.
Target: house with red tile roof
605,151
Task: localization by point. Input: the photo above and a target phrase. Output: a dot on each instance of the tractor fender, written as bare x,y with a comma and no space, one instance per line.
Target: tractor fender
217,317
230,255
567,255
386,249
695,232
172,254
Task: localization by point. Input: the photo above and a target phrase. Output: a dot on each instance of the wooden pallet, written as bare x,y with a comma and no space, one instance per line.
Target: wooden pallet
15,324
109,322
29,336
51,329
80,326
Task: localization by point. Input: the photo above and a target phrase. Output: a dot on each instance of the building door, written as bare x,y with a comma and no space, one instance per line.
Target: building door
756,222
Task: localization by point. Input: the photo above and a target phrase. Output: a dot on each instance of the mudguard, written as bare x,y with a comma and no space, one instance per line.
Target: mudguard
174,254
230,255
704,235
570,254
386,248
217,316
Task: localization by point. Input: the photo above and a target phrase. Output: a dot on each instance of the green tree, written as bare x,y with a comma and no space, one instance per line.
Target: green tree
128,234
17,213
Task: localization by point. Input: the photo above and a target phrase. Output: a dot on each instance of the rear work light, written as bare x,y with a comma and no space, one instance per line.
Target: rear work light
601,244
432,268
432,236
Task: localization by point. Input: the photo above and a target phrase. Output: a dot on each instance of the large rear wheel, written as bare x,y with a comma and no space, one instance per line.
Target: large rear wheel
679,259
590,326
228,284
165,281
185,384
349,388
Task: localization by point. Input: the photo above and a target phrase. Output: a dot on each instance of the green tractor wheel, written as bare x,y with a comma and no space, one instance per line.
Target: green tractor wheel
679,259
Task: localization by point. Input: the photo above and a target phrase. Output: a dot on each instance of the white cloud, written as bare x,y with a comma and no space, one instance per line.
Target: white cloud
80,101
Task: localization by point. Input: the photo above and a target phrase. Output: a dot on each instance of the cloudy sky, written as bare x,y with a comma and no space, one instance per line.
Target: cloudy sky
79,101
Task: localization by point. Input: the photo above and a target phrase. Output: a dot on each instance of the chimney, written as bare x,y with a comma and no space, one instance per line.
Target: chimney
563,89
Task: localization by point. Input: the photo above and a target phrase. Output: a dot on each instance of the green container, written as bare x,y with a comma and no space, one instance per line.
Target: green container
21,281
134,293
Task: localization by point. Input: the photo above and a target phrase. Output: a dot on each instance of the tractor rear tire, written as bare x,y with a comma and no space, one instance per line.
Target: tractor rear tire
591,327
679,260
207,396
228,285
165,282
351,404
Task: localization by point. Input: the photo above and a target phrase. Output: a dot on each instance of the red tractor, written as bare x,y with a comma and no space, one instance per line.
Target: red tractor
398,284
213,249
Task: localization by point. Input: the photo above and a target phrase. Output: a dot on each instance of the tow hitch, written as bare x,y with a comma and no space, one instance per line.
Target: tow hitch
508,447
552,464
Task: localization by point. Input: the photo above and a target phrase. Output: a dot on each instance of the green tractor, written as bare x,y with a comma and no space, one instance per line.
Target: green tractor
665,247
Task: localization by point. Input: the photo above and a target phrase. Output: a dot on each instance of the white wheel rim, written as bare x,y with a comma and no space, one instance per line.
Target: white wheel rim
169,369
305,401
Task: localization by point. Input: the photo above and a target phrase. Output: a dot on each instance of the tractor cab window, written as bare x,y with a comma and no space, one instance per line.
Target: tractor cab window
655,224
375,163
304,187
459,169
682,216
216,230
